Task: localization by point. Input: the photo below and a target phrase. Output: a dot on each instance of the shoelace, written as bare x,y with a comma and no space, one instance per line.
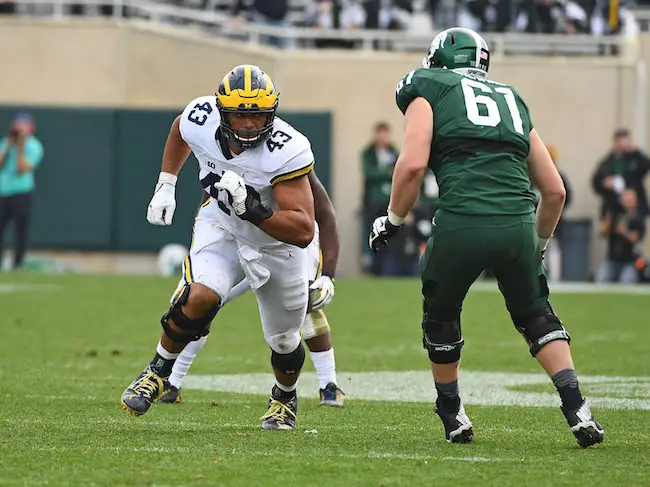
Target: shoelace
278,411
147,385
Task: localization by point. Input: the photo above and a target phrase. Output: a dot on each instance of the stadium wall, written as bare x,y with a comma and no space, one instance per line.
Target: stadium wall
576,102
101,167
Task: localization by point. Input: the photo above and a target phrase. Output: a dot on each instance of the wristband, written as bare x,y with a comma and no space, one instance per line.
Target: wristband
257,214
167,178
327,274
394,218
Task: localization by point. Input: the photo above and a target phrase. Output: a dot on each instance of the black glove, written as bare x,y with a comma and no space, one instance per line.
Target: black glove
382,231
255,212
244,200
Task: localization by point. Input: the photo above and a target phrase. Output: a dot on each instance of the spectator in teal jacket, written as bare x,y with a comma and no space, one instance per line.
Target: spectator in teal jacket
20,154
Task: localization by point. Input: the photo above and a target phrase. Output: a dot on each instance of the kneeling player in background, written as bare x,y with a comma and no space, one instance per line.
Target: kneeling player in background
322,258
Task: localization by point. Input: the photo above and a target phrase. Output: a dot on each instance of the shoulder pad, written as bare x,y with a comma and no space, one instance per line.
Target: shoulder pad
287,153
199,113
422,82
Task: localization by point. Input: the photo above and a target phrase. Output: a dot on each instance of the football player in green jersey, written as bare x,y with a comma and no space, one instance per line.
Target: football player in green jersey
477,136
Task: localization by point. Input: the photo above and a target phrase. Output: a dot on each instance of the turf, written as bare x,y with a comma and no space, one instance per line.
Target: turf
71,344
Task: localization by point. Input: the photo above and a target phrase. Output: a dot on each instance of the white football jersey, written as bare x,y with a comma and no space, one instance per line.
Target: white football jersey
286,154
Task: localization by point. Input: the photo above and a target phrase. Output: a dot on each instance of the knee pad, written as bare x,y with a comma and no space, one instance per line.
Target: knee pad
540,328
315,324
289,363
441,335
284,342
191,329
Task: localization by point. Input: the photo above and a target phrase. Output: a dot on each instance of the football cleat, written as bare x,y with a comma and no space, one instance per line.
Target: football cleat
143,391
331,396
170,394
583,425
458,427
282,411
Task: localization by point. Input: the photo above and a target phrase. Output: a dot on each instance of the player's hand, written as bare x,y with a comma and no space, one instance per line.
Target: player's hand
163,203
543,244
245,201
326,286
382,231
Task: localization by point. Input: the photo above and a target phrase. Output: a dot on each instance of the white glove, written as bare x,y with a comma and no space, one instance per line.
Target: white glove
236,187
163,203
543,243
326,286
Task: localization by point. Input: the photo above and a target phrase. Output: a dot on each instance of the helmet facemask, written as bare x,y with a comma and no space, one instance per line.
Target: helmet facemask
242,138
247,90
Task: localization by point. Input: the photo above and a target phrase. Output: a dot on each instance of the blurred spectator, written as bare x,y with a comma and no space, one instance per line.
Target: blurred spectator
334,14
443,13
607,17
486,15
7,7
20,154
266,12
387,14
553,16
81,9
624,167
624,227
378,160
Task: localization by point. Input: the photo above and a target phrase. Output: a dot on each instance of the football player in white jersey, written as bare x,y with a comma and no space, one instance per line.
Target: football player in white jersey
322,255
256,225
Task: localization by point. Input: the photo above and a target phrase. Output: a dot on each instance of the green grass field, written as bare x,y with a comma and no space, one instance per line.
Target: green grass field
71,344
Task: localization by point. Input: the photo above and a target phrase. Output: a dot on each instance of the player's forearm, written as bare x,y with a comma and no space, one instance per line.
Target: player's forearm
329,242
548,214
290,226
176,150
405,189
326,219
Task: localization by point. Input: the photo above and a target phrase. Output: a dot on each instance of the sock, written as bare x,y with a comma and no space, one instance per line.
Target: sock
325,367
280,390
184,361
566,383
163,361
448,396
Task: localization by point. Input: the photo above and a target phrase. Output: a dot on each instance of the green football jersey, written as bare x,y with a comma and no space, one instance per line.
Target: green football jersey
480,141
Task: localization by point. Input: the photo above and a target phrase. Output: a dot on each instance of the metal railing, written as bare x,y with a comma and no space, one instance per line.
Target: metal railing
642,17
218,23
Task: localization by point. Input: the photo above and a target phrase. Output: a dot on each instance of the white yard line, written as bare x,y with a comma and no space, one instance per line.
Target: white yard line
478,388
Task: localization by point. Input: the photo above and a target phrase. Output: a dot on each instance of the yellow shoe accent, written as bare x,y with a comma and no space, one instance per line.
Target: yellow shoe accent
129,410
146,389
279,416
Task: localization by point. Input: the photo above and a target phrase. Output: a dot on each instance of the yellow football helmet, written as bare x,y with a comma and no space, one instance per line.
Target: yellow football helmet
247,89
